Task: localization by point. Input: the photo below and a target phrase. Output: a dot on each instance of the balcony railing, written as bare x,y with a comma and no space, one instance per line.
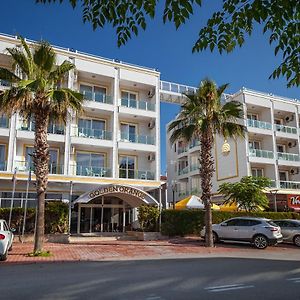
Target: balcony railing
93,133
195,191
182,149
183,171
98,97
4,122
56,129
135,138
138,104
24,166
183,193
261,153
194,143
288,156
293,185
259,124
93,171
286,129
136,174
194,167
3,166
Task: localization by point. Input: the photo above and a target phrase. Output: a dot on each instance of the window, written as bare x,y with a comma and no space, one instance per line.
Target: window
93,93
257,172
128,132
127,166
254,145
281,148
283,175
252,116
233,222
2,157
129,99
90,164
91,128
53,160
3,121
5,227
278,121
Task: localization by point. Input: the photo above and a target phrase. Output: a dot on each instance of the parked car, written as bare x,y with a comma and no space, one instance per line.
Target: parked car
260,232
6,239
290,230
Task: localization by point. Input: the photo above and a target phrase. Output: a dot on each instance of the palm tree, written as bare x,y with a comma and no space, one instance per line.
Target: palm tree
36,93
202,116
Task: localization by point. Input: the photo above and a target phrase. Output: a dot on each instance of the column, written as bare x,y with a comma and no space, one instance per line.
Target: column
12,143
274,146
124,216
78,218
115,129
157,129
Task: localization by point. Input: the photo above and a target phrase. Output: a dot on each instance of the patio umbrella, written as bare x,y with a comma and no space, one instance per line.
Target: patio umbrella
193,202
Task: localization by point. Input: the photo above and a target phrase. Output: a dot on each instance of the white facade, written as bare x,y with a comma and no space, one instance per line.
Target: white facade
271,148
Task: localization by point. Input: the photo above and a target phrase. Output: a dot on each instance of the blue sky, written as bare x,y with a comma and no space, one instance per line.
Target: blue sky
161,46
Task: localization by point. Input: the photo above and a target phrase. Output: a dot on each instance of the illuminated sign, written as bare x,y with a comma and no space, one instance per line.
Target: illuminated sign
294,201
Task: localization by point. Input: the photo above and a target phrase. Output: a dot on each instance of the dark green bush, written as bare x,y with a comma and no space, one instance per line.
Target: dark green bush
148,218
56,218
184,222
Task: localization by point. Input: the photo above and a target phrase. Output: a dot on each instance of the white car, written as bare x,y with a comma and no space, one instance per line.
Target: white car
259,232
6,239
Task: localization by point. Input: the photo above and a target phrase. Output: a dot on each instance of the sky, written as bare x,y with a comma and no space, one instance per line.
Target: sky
160,46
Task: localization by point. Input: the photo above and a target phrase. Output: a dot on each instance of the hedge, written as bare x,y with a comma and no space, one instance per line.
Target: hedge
185,222
56,218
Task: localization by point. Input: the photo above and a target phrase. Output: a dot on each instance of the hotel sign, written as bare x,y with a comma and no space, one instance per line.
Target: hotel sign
294,201
117,189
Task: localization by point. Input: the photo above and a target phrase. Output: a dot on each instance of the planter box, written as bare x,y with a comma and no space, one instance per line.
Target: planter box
146,236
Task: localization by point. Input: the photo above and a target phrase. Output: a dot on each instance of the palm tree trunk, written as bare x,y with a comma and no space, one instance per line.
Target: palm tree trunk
41,159
206,173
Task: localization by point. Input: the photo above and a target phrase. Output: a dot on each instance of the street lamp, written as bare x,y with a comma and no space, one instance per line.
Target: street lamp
174,189
274,192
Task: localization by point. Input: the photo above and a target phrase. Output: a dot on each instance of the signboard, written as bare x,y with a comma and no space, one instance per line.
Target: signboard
294,201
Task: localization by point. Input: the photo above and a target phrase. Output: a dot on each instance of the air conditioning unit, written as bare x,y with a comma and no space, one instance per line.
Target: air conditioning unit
151,157
294,171
292,144
151,124
151,93
289,118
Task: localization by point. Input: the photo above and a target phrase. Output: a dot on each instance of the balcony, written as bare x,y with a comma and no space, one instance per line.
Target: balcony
93,133
3,166
292,185
92,171
136,174
4,122
183,171
138,104
98,97
135,138
24,166
259,124
182,149
194,143
261,153
288,156
286,129
194,167
56,129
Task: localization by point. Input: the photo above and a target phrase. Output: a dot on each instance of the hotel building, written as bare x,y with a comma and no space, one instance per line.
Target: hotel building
107,160
271,148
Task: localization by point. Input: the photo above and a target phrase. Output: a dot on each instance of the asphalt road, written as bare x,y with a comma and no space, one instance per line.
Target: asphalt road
204,278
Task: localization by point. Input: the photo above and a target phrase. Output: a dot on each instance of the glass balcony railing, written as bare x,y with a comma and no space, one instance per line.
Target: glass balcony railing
98,97
261,153
138,104
194,167
24,166
293,185
259,124
3,166
288,156
286,129
135,138
182,149
182,193
183,171
194,143
92,171
4,122
56,129
136,174
93,133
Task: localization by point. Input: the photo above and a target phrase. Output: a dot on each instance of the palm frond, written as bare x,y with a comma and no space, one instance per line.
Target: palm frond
61,70
20,60
8,76
44,57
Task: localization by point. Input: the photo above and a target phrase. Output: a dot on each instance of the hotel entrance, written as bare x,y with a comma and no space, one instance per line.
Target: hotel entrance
109,209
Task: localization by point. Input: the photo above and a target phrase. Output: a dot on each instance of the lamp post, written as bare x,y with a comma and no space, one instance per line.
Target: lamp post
174,189
274,192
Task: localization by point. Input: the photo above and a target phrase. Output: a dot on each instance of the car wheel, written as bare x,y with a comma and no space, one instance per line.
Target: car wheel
215,238
3,257
260,241
297,240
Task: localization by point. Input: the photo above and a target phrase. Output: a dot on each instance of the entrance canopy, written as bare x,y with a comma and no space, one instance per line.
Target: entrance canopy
133,196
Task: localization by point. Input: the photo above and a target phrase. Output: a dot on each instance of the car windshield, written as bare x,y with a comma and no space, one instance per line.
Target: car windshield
272,223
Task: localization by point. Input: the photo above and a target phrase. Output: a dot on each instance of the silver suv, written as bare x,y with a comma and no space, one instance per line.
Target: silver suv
258,231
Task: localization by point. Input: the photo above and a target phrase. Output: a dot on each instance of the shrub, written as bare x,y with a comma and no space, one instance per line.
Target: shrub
148,217
184,222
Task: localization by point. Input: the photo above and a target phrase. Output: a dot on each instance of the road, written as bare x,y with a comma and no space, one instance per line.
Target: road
201,278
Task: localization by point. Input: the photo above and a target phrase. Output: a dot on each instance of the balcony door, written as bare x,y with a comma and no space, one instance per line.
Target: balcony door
128,132
283,176
129,99
281,148
127,166
253,117
2,157
257,172
91,128
254,145
90,164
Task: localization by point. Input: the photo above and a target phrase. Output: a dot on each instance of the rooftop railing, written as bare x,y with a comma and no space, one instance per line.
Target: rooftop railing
259,124
138,104
176,88
261,153
286,129
136,138
288,156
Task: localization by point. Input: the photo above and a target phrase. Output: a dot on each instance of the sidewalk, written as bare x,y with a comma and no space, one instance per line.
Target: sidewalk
133,250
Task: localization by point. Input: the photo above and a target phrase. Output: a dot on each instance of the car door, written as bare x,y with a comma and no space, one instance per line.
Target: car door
228,229
246,229
289,229
285,229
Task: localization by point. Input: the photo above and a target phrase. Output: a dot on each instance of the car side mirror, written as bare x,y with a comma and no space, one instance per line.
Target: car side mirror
13,229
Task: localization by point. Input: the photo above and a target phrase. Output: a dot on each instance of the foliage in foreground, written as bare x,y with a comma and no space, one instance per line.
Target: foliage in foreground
148,217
